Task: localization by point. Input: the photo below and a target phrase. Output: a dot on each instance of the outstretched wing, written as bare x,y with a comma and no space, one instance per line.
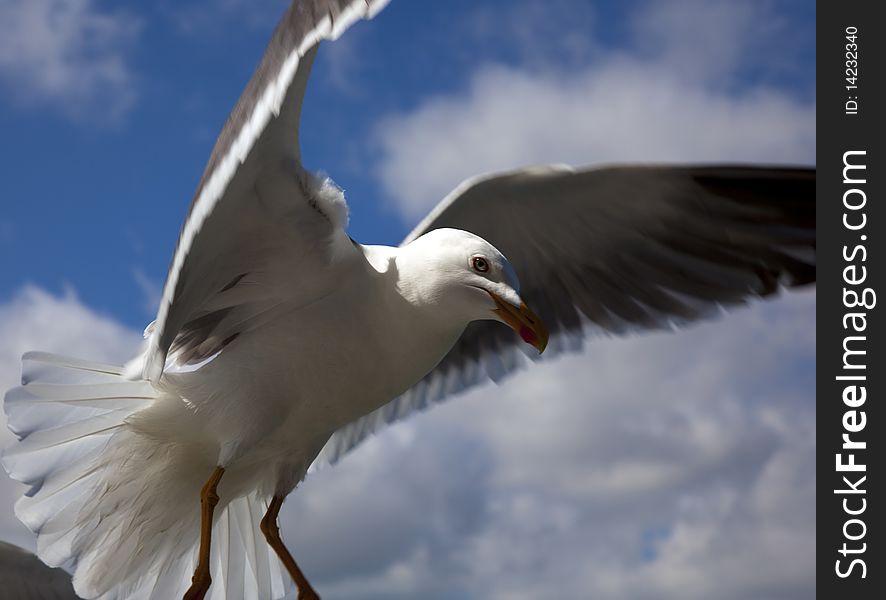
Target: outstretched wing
24,577
255,210
616,249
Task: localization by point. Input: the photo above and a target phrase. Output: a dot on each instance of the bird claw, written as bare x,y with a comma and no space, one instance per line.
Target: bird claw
198,589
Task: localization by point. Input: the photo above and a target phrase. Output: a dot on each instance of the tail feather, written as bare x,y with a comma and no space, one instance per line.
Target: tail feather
247,567
116,507
53,368
234,574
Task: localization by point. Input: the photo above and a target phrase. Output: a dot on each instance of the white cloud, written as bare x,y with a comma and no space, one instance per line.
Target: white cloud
34,319
703,39
653,104
68,54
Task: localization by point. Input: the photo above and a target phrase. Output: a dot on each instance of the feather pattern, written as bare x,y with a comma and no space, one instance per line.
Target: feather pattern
96,484
262,129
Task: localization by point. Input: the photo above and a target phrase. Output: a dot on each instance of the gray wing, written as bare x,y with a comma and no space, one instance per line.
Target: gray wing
24,577
255,208
615,249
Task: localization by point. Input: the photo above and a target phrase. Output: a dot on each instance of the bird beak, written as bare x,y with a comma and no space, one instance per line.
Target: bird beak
522,320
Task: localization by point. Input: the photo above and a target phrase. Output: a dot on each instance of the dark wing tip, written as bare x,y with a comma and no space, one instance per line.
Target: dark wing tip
778,205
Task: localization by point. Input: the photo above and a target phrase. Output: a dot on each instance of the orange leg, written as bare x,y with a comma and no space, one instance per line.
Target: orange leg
272,534
208,499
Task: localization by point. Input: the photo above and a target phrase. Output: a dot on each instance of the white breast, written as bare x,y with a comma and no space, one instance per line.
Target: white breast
316,367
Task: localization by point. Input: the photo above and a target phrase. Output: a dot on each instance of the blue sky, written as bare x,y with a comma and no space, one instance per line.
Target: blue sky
108,112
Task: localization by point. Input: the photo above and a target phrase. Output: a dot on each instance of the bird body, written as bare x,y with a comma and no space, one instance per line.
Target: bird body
289,384
263,408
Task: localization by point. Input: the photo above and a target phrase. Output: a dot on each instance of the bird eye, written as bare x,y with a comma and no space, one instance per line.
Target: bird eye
480,264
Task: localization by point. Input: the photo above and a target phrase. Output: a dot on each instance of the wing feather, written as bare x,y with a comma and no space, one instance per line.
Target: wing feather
24,577
233,228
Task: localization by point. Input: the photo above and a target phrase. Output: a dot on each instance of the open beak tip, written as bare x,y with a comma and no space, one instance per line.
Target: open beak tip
534,339
533,330
539,342
522,320
529,336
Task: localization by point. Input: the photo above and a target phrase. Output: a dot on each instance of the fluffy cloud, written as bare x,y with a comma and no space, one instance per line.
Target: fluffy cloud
34,319
663,100
68,54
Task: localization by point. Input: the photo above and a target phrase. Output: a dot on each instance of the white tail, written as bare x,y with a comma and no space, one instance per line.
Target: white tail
118,508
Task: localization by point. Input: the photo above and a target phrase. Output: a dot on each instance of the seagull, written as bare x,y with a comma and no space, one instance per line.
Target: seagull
281,343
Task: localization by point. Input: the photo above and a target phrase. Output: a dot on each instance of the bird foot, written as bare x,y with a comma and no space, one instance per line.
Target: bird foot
198,589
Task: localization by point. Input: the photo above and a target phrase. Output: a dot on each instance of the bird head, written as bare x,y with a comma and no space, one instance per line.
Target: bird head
463,277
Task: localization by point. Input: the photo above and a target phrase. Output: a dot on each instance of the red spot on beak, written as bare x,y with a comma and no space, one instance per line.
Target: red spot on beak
528,335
